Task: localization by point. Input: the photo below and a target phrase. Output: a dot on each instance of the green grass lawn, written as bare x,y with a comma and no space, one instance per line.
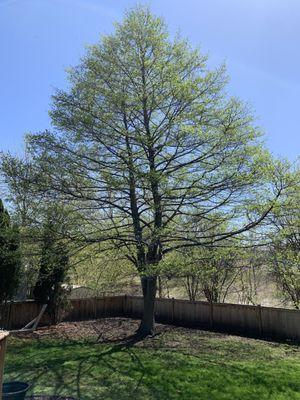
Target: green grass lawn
177,364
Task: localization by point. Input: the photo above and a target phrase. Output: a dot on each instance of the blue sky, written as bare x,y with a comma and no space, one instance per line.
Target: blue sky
258,39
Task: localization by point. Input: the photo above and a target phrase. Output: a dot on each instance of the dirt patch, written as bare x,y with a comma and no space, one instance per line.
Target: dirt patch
104,330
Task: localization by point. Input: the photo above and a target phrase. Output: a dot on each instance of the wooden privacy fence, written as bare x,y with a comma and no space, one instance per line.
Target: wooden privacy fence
16,315
253,321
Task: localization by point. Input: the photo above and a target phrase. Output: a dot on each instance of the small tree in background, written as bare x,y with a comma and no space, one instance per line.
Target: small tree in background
206,272
285,249
26,211
287,274
103,271
53,273
10,260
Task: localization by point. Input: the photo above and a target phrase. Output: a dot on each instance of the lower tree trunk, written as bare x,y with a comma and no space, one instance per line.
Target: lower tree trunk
149,284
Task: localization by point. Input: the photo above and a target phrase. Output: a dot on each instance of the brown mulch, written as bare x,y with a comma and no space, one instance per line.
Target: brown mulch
104,330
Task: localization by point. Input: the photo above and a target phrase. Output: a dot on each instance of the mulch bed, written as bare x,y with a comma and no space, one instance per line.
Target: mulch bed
105,330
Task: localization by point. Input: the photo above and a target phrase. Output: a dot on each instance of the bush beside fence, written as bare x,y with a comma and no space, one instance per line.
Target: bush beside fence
252,321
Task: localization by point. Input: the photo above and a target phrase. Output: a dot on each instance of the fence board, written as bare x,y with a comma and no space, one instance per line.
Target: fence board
281,323
237,318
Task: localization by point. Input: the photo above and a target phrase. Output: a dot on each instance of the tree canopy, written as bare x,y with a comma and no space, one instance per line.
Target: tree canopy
146,145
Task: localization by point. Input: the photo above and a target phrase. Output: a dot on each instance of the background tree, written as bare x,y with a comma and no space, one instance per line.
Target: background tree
146,140
286,269
285,247
27,212
104,271
50,287
10,261
205,272
251,275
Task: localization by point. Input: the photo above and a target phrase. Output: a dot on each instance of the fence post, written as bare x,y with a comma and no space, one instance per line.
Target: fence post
173,309
104,307
95,307
211,315
7,323
260,327
125,306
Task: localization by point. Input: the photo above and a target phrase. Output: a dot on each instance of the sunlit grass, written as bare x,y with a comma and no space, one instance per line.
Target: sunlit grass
179,364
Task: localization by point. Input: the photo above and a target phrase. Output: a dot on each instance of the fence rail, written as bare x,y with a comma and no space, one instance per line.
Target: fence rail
253,321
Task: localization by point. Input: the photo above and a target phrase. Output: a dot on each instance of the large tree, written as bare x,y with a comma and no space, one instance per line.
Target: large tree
145,141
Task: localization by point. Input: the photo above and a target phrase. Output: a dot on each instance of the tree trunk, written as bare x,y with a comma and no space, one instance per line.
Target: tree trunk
149,284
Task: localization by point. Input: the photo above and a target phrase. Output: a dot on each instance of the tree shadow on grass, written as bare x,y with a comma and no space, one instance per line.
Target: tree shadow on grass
119,370
76,367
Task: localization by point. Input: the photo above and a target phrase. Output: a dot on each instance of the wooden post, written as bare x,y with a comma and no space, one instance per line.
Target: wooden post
260,327
211,315
3,338
173,309
125,313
